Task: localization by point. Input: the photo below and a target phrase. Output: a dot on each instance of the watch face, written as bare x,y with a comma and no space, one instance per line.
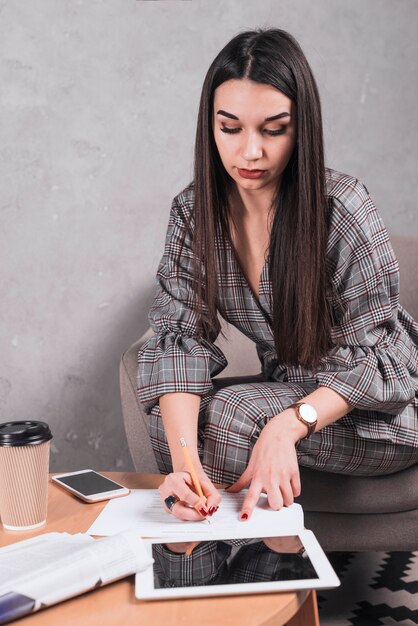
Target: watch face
308,413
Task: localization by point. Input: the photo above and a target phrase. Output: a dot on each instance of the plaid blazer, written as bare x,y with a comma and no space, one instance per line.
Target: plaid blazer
374,359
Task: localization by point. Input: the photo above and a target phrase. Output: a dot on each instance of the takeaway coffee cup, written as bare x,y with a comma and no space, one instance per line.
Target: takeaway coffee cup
24,466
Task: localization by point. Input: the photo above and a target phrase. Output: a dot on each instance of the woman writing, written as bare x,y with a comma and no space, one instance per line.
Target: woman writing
296,256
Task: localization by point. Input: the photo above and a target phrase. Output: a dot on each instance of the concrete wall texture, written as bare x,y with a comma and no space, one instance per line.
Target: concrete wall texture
98,105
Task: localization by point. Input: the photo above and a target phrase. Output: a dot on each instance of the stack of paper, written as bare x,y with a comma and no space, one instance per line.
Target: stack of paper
50,568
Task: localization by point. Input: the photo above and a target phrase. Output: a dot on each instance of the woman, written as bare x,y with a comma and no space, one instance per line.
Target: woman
297,257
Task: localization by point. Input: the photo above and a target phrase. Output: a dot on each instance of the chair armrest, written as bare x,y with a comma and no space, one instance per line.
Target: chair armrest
135,419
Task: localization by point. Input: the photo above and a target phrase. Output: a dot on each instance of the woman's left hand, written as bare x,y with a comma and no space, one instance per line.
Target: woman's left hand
273,467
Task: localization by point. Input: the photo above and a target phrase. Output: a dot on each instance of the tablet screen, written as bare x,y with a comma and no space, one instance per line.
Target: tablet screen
231,562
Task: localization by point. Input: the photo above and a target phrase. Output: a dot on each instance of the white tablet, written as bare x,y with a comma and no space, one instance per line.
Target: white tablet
231,565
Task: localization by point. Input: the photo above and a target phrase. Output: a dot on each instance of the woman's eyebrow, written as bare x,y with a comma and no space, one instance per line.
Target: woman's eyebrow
267,119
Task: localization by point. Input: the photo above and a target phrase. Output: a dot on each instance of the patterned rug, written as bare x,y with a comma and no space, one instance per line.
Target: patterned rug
377,588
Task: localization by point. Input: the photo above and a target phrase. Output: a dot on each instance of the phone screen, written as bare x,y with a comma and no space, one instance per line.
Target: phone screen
89,483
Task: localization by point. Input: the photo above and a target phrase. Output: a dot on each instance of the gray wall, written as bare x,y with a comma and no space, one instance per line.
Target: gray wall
98,108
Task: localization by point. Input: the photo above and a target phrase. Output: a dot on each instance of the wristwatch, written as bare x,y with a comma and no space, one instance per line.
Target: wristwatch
306,414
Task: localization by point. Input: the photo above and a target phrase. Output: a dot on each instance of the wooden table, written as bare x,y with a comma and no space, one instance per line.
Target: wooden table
116,603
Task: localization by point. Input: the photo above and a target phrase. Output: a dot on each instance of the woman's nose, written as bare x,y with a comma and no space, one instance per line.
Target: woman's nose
252,147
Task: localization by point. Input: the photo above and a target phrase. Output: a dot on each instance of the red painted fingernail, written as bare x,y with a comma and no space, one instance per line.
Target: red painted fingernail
212,510
203,511
244,516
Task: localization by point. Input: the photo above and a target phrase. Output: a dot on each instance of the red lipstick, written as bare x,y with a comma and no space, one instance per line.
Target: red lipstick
251,173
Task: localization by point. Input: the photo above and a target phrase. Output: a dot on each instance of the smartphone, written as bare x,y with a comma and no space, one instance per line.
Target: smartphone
90,486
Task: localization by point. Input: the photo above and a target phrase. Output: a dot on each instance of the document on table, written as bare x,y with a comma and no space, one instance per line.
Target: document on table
52,567
143,512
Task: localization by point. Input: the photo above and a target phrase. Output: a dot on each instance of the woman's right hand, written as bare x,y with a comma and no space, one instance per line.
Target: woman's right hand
190,506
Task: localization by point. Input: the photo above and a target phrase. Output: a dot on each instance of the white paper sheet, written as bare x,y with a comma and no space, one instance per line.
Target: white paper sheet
143,512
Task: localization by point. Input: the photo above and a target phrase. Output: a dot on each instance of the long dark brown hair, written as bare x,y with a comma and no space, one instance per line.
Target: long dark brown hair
301,317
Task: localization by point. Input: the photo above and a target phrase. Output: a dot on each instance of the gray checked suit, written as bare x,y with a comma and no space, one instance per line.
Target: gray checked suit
373,362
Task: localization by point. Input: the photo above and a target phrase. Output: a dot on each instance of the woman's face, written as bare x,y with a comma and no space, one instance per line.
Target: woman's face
254,128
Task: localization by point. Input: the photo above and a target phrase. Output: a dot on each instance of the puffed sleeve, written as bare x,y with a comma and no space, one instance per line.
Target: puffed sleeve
176,358
373,363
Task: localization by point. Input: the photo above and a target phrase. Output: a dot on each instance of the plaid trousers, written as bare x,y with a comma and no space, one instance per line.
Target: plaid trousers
231,418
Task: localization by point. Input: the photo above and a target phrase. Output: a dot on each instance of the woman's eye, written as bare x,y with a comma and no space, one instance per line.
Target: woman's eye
280,131
272,133
224,129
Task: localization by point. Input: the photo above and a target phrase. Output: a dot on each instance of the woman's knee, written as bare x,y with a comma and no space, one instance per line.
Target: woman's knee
231,410
254,403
